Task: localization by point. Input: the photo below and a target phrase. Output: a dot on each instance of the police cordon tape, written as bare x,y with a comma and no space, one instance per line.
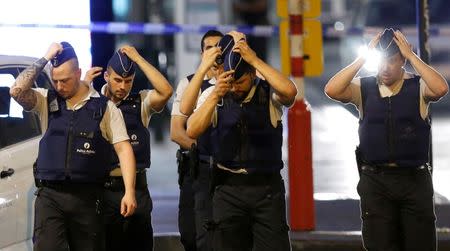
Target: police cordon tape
257,30
153,28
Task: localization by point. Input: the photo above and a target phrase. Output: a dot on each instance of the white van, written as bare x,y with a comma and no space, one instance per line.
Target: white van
20,133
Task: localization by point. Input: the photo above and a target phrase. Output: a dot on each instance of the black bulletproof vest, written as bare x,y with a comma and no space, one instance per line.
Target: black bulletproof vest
392,130
73,147
245,135
138,133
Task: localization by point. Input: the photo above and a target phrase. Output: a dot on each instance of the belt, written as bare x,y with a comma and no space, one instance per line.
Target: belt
393,169
115,183
252,179
207,159
65,184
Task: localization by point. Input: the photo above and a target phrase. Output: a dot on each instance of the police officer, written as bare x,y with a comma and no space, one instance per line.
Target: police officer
195,190
245,111
136,232
395,184
73,159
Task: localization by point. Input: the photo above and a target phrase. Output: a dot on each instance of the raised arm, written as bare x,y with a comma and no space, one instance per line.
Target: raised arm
21,90
190,95
201,119
178,120
283,87
163,89
338,87
178,132
436,85
92,73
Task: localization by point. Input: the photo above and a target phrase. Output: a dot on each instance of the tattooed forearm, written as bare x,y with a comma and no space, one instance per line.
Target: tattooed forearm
21,89
27,99
27,77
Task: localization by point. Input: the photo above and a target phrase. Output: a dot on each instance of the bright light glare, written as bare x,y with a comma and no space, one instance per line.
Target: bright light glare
373,58
45,12
35,41
336,196
335,133
441,172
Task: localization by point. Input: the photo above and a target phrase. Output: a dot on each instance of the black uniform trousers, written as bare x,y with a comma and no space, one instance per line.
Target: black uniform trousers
397,209
203,206
128,233
67,218
186,214
250,213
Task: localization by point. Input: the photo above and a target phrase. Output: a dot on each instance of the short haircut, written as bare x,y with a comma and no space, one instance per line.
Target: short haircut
75,63
210,33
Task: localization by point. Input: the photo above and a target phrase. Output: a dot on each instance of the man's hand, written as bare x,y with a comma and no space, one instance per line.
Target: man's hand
237,36
131,52
21,89
374,42
92,73
208,58
245,51
403,44
369,50
128,204
53,50
223,85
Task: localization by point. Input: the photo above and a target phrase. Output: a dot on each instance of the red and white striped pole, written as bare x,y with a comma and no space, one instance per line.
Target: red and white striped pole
301,201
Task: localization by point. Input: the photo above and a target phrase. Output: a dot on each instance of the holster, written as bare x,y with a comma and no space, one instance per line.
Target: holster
183,164
359,159
193,161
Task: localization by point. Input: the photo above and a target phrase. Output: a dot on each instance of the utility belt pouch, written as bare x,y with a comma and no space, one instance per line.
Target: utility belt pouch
181,164
193,160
